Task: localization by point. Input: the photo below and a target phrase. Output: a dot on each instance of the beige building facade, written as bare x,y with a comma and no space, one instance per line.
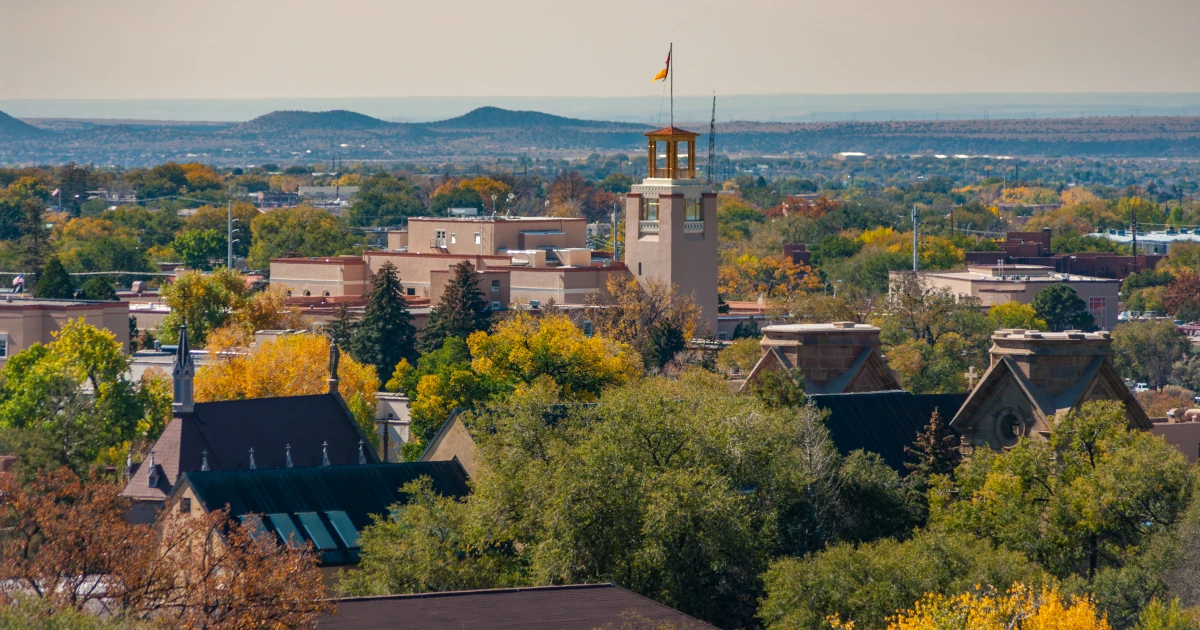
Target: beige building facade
332,276
998,284
24,322
488,235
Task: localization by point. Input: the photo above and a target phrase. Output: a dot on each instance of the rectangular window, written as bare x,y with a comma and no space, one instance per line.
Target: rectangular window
441,234
453,240
185,506
1096,305
286,528
478,238
649,209
345,529
316,530
3,346
495,306
588,330
692,210
495,286
639,269
410,291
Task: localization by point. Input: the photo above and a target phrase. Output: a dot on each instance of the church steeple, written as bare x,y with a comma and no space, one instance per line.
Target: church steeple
182,375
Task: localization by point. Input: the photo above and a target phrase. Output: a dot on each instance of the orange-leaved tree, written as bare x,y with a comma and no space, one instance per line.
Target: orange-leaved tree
67,544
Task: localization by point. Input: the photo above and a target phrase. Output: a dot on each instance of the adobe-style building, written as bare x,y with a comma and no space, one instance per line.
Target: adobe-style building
533,260
26,321
999,283
1033,248
671,223
284,432
1035,375
836,358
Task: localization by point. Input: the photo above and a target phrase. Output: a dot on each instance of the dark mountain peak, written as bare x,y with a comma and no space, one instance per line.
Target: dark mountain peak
499,118
293,120
13,129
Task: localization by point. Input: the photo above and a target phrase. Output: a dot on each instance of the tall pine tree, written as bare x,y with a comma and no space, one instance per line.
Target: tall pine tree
461,310
385,334
935,452
54,283
341,328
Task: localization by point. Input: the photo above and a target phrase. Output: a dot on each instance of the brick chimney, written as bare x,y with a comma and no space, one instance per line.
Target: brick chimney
1052,361
836,357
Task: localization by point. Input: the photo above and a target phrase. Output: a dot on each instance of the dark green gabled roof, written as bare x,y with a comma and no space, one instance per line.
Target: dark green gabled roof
883,422
360,491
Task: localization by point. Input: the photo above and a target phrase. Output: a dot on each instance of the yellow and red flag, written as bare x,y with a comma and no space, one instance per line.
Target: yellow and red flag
662,74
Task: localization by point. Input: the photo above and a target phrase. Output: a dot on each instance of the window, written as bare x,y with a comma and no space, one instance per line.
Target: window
254,522
649,209
344,528
478,238
316,530
3,346
1096,305
441,235
287,530
588,330
495,286
722,335
185,506
307,293
639,269
692,210
495,306
326,294
410,291
453,239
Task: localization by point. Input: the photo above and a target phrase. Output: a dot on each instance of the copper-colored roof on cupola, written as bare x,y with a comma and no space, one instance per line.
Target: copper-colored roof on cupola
672,131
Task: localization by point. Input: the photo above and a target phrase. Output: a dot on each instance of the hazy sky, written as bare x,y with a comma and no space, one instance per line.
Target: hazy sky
128,49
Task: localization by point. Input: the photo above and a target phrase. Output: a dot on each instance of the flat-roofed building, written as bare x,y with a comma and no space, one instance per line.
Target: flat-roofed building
330,276
493,235
24,322
998,284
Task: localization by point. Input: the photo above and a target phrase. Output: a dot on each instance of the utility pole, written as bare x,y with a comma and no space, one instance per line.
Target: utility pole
229,236
916,218
614,230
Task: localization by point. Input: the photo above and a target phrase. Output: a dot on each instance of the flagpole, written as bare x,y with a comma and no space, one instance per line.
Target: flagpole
671,74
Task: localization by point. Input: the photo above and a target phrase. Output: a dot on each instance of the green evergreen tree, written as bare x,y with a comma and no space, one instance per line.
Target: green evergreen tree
461,310
98,288
340,329
1063,309
385,334
935,452
35,238
54,282
747,329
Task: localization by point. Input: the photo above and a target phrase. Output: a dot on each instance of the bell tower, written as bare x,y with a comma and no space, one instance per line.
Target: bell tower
671,224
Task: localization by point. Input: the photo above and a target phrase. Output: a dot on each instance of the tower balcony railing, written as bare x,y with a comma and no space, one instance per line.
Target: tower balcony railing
648,227
693,227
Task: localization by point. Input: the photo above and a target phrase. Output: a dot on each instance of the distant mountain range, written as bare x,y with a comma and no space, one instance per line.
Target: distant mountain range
302,136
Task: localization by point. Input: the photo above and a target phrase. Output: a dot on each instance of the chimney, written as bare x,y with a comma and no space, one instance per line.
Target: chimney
182,375
334,357
1052,361
825,353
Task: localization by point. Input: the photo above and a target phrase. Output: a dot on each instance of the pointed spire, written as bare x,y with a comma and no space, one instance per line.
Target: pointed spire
362,457
152,471
325,453
334,356
204,460
288,451
182,375
252,466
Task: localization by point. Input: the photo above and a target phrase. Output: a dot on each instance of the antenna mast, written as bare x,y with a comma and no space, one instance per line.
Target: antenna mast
712,141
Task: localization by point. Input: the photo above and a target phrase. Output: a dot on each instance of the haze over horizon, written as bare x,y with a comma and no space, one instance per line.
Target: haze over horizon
270,49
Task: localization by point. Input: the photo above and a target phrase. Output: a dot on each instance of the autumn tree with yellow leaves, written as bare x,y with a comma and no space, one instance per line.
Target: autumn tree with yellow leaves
1020,608
292,365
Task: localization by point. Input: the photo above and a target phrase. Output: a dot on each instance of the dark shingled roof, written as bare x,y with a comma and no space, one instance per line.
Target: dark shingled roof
229,429
359,490
578,607
883,422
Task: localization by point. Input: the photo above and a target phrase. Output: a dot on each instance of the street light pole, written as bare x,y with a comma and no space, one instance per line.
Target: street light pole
229,237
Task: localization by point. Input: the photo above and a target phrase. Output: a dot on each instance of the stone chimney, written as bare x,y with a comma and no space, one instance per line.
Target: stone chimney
1052,361
834,358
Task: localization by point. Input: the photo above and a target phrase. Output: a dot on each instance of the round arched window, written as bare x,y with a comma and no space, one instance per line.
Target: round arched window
1010,427
326,294
307,293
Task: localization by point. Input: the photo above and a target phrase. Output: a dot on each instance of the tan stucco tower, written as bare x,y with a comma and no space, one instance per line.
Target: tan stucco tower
671,223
